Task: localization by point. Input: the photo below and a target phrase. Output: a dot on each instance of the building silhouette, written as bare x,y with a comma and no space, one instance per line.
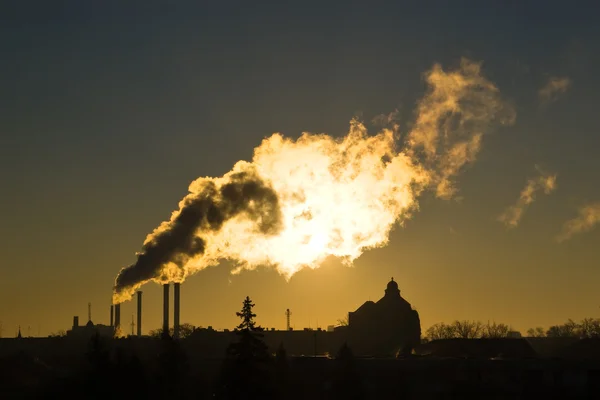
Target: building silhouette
391,320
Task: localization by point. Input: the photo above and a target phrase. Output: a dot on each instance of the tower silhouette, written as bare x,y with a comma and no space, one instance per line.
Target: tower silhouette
288,314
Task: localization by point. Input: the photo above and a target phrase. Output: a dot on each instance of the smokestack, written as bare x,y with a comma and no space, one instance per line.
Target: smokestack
112,318
75,322
139,313
176,293
166,309
117,316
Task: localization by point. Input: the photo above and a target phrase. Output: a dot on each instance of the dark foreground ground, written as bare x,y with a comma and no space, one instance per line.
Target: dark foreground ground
166,369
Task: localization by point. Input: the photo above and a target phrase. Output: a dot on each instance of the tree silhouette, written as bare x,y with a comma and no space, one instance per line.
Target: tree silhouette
536,332
172,368
346,380
568,329
100,367
589,328
185,330
467,330
281,372
246,373
494,330
439,331
247,317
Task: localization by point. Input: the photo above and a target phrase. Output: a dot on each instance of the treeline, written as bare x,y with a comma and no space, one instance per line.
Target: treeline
467,330
586,328
185,330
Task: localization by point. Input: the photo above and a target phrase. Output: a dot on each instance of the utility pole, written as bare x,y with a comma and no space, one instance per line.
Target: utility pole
288,314
0,329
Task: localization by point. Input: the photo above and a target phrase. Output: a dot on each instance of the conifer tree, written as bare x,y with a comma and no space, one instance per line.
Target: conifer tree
247,368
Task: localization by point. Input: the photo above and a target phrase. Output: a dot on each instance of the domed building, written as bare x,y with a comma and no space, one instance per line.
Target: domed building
385,327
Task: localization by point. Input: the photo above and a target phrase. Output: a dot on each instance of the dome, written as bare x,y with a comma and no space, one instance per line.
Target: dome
392,289
392,285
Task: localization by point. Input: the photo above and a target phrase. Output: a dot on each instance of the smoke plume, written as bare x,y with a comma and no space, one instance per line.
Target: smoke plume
513,214
589,216
451,120
300,201
553,89
210,203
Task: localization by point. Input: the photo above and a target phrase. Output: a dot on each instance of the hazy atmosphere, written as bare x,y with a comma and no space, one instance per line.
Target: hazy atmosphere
485,113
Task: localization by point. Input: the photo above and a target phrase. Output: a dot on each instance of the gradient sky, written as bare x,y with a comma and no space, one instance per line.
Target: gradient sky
109,111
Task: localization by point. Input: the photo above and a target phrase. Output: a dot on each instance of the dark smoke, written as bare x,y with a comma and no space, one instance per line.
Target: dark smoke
245,193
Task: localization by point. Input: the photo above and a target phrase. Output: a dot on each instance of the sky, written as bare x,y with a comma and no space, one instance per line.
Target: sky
109,111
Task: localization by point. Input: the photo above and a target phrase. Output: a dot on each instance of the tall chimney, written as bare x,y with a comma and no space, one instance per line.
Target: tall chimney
176,293
166,309
117,316
112,313
139,313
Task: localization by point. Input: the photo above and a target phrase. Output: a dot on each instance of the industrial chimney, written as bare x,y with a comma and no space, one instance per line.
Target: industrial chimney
117,316
166,309
139,313
112,318
176,301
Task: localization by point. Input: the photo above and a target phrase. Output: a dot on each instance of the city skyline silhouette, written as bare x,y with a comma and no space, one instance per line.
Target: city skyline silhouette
106,127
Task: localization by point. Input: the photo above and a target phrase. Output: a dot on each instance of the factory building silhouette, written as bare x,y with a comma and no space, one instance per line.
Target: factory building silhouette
376,331
380,328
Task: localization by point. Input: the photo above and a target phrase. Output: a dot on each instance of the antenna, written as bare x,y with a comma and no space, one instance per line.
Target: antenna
288,314
132,324
89,311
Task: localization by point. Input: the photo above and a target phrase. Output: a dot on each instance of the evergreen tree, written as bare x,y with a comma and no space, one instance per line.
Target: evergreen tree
281,372
247,368
346,380
250,347
173,367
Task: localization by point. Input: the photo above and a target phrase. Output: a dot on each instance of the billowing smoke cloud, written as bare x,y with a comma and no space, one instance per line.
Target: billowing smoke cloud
586,220
452,118
544,182
210,203
301,201
553,89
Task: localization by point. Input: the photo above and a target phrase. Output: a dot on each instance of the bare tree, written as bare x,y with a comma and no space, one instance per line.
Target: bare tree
495,330
536,332
568,329
185,330
59,333
467,329
440,331
343,321
589,328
